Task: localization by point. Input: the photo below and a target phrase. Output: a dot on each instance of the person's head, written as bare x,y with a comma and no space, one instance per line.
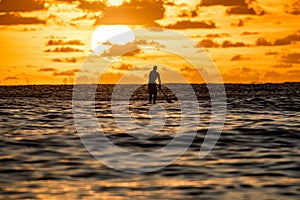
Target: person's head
155,68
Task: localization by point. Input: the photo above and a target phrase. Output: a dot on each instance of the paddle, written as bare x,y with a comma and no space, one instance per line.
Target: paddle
167,98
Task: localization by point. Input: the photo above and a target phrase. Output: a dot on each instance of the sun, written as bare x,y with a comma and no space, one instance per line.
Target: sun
115,2
106,35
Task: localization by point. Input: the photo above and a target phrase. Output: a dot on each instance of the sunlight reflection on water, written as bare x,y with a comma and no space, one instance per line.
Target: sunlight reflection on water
256,157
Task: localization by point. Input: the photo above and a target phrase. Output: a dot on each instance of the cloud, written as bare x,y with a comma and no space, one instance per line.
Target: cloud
223,3
123,66
94,6
207,43
263,42
144,42
68,60
241,10
16,19
242,75
21,5
240,23
66,1
110,77
288,39
57,20
228,43
70,72
245,7
294,72
88,16
219,35
130,49
291,58
186,24
11,78
133,13
188,13
47,69
271,53
249,33
63,50
193,75
283,66
239,57
61,42
293,8
120,50
289,76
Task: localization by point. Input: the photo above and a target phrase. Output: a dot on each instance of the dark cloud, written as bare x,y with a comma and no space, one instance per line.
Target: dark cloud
21,5
11,78
228,43
93,6
119,50
223,3
185,24
288,39
64,50
271,53
219,35
263,42
66,1
294,72
207,43
240,10
70,72
283,66
130,49
16,19
133,13
293,8
281,41
123,66
244,7
62,42
291,58
239,57
47,69
240,23
68,60
249,33
188,13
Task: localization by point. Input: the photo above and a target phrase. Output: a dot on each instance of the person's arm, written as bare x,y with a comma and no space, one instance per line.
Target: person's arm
159,81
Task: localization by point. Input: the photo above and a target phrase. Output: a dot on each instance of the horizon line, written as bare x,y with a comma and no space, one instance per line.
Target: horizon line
14,85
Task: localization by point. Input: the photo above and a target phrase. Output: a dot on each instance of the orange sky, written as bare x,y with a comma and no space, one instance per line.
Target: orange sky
48,41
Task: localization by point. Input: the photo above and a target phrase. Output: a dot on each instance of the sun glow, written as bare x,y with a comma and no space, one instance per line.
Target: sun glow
105,35
115,2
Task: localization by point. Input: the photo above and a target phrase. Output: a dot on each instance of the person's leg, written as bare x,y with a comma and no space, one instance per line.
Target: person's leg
150,93
154,98
154,94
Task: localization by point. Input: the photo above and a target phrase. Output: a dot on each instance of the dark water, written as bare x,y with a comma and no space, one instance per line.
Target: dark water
256,157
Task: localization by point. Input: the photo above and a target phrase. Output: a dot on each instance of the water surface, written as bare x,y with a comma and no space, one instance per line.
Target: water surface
256,157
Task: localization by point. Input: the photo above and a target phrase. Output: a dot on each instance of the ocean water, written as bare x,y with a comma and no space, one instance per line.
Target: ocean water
256,157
